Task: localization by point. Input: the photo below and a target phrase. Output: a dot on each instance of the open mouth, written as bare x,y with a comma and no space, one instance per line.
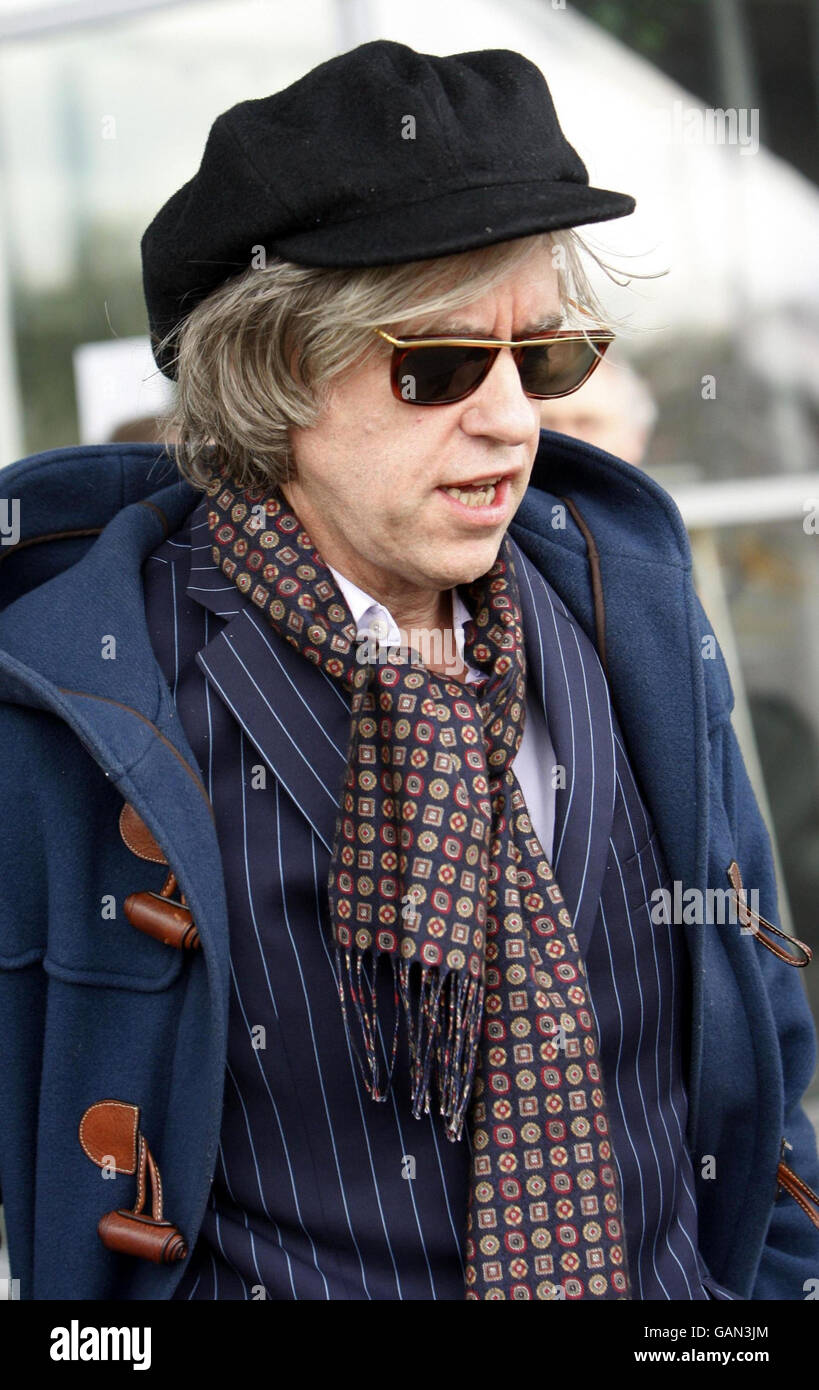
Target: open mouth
475,494
487,498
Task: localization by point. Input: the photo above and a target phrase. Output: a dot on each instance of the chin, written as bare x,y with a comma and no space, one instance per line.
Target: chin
466,569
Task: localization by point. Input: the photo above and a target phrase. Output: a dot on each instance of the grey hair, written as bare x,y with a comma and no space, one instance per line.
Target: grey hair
259,354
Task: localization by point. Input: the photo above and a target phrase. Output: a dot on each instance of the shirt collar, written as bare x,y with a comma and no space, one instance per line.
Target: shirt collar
367,611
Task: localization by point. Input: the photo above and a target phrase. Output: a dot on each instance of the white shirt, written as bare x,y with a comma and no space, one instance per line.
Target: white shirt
535,760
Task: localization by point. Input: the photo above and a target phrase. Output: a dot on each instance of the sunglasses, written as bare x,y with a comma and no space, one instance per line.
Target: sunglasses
439,371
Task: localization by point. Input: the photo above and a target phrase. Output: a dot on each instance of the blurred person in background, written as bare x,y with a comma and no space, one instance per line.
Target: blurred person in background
352,757
614,410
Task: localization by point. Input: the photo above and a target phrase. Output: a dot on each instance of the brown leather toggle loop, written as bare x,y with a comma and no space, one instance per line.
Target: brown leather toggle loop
791,1183
138,837
750,919
109,1132
157,914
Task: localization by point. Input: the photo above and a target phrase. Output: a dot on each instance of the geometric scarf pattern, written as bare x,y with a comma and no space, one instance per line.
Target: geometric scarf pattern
446,914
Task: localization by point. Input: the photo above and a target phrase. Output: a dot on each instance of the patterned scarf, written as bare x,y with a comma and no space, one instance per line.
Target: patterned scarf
435,865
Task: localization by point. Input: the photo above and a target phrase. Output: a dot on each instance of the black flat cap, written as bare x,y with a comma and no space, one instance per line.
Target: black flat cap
379,156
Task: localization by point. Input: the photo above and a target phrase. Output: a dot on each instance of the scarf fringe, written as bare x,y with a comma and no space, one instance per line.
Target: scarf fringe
443,1037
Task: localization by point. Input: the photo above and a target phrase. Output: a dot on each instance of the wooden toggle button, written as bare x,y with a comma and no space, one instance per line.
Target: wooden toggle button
157,914
167,921
129,1234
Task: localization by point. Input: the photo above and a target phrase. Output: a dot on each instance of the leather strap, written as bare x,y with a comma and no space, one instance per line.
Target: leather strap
799,1190
596,582
754,923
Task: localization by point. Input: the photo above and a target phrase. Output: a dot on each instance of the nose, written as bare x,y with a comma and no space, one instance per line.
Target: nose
500,409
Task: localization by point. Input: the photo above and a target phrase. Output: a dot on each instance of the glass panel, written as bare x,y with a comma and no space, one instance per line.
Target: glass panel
98,127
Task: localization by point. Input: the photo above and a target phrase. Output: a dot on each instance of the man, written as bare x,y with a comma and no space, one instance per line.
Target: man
348,780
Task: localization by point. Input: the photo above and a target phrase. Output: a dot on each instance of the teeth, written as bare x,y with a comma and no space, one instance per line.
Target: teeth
474,497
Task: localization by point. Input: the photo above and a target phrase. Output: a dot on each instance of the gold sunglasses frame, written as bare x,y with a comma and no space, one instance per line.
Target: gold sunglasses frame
600,340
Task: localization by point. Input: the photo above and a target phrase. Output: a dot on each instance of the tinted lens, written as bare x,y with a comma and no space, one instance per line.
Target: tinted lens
554,369
437,375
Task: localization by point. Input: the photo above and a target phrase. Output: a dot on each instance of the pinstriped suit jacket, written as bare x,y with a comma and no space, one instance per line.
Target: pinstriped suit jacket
296,1215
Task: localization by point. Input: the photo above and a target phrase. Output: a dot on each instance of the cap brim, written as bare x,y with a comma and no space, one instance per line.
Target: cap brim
447,223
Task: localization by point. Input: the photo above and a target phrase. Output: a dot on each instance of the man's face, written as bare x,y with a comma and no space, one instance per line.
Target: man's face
373,473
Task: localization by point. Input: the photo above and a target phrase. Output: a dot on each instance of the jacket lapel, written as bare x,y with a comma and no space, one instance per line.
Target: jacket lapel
569,681
297,718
